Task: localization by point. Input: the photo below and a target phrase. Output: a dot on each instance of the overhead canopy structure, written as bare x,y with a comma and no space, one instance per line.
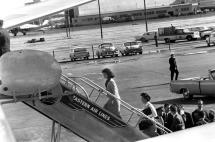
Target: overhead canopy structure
32,12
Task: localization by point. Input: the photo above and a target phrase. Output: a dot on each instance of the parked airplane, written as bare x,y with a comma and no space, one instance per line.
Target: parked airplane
46,25
29,28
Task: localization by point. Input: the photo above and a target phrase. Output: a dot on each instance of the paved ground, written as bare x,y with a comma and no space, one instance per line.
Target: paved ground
134,74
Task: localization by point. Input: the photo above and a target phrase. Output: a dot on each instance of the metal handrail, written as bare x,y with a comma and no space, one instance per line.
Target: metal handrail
128,105
82,88
123,103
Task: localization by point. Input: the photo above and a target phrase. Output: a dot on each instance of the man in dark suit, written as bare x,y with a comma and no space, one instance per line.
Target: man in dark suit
159,118
167,116
197,113
177,123
173,67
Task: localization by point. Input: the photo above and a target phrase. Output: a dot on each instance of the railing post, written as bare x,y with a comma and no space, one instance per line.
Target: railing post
75,85
93,52
53,53
130,117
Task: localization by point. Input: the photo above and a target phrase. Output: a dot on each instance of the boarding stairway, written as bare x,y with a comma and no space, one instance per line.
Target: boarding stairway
77,105
95,93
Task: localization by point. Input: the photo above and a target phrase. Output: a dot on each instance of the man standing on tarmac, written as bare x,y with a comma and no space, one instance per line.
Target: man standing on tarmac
4,40
173,67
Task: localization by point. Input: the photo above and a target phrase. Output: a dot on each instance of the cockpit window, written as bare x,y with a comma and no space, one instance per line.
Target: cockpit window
106,45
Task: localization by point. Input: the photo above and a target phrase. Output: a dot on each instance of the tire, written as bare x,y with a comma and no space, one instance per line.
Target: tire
167,40
206,36
141,53
189,38
208,44
98,56
186,94
143,39
72,59
172,41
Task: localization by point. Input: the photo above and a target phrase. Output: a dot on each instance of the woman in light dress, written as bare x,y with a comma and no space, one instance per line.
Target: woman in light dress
113,104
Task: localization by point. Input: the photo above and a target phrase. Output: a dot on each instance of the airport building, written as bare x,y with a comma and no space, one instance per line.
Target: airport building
203,4
123,16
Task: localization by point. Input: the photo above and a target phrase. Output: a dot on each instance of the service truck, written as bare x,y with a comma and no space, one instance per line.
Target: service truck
171,34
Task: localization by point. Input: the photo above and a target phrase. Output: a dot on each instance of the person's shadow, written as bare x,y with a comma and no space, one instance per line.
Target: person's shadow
206,100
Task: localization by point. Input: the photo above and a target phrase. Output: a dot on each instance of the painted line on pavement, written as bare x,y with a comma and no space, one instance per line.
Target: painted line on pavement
194,53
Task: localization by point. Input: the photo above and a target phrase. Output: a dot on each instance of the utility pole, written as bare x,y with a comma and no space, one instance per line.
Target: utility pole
100,20
145,13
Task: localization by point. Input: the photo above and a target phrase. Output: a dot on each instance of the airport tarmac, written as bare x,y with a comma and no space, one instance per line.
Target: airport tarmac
134,74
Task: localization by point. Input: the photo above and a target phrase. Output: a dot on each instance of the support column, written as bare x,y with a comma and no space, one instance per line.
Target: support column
56,131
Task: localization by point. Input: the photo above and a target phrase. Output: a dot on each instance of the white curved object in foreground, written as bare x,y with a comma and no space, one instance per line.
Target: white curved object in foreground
203,133
25,72
6,134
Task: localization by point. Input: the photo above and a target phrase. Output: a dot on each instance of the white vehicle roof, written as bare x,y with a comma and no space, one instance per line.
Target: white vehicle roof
198,28
6,134
78,48
150,32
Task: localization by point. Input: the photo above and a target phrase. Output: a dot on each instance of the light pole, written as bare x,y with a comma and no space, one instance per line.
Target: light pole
100,20
145,15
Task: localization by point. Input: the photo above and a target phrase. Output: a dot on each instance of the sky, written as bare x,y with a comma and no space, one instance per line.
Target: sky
106,5
7,6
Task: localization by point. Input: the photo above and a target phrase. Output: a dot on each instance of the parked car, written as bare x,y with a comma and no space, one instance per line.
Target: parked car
107,20
146,37
133,47
79,53
211,39
204,32
195,86
107,49
124,18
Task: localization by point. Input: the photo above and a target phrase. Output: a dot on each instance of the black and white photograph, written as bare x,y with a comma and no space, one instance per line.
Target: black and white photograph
107,70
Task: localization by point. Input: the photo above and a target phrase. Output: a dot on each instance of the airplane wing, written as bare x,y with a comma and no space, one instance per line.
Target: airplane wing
197,134
32,12
6,134
28,26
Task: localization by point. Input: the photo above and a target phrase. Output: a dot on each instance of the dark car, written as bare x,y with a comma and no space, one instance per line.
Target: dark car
133,47
79,53
107,49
